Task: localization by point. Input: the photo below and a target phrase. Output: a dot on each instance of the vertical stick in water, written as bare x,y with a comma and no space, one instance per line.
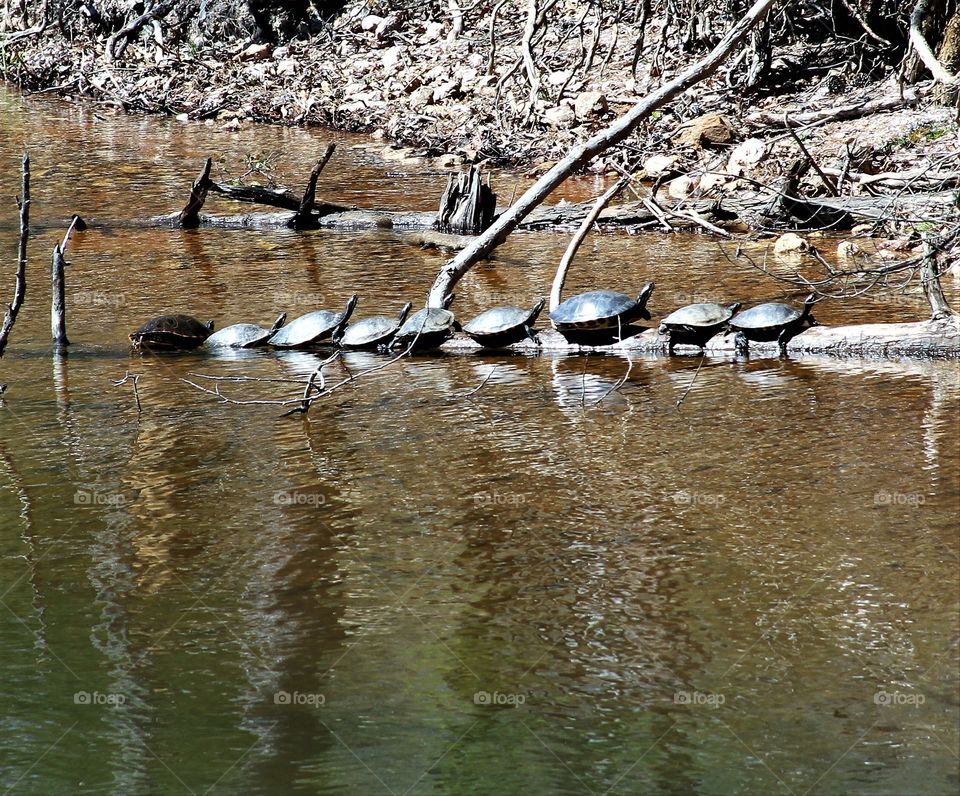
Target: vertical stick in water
58,306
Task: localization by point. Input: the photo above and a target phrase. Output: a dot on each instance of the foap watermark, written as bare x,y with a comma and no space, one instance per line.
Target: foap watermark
685,498
97,298
885,498
98,698
897,699
285,498
500,699
313,700
297,298
487,499
94,497
698,698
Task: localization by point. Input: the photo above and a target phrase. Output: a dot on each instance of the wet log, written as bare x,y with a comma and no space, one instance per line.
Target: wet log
283,198
467,205
58,304
932,338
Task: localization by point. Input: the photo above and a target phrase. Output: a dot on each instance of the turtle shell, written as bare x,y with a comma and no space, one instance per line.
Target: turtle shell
501,326
700,315
427,328
243,335
313,327
766,317
374,331
171,332
600,309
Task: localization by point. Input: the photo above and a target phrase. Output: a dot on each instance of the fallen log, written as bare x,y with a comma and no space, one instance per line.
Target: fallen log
933,338
854,110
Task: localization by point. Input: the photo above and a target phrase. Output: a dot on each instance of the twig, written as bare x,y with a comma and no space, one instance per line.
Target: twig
618,384
20,289
134,378
117,43
318,373
480,385
703,356
831,186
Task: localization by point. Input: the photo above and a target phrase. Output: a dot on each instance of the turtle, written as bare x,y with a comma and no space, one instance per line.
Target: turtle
373,332
427,328
502,326
243,335
314,327
773,321
694,324
171,332
600,317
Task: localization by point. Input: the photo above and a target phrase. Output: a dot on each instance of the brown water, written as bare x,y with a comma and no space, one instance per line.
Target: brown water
754,593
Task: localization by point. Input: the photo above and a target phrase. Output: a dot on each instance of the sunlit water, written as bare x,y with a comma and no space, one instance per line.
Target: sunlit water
546,585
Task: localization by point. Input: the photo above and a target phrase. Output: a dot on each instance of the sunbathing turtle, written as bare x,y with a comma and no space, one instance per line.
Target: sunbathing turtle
426,329
600,317
171,333
696,323
373,332
773,321
503,326
314,327
243,335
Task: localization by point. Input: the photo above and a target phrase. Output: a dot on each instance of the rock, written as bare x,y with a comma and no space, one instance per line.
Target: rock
256,52
561,116
288,67
421,97
390,60
848,250
790,243
655,165
370,22
590,104
681,187
711,180
745,156
709,129
433,32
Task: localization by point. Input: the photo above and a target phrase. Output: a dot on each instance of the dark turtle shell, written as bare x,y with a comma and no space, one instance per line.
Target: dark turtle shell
374,331
168,332
771,317
601,309
243,335
314,327
773,321
503,326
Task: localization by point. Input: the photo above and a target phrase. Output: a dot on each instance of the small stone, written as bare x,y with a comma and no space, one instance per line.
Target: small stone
370,22
590,104
560,116
711,128
790,243
256,52
655,165
848,249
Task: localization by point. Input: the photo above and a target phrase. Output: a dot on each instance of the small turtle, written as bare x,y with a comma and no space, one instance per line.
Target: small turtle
696,323
373,332
428,328
600,317
503,326
773,321
243,335
314,327
171,332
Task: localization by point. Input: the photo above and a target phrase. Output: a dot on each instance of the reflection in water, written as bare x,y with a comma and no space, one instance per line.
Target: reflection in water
450,526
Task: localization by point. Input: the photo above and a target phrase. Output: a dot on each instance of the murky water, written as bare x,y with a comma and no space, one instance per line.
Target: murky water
540,586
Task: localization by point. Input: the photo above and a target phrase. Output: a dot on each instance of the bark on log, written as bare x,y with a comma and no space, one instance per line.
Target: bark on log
581,154
20,285
58,304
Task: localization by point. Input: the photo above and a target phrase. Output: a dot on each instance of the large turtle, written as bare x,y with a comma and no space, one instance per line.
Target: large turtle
773,321
244,335
502,326
696,323
600,317
314,327
373,332
171,332
428,328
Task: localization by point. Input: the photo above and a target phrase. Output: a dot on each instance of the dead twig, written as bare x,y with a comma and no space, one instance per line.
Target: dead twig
20,287
480,385
683,397
134,378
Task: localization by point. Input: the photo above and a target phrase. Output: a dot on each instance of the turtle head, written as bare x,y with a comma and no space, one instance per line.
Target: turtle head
209,326
351,304
642,298
404,312
447,301
279,322
662,329
535,312
735,307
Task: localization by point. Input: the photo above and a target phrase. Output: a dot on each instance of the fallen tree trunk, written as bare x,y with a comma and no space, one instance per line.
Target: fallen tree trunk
933,338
